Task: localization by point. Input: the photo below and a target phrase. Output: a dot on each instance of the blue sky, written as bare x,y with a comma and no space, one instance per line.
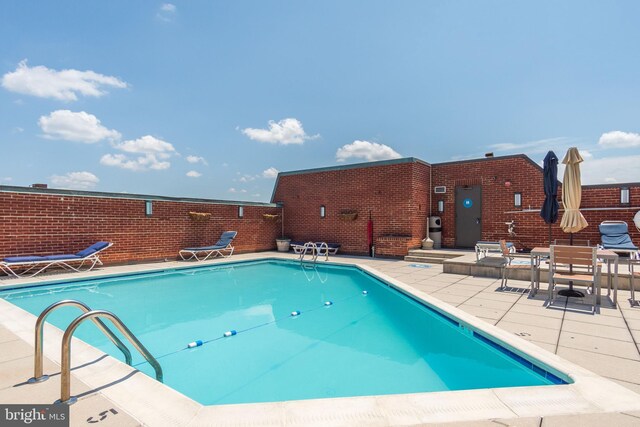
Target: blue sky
211,99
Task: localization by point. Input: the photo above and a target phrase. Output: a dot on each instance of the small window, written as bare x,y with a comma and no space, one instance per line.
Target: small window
323,211
148,208
240,211
440,205
517,200
624,195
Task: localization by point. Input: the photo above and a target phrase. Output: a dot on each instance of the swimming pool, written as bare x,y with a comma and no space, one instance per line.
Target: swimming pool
370,340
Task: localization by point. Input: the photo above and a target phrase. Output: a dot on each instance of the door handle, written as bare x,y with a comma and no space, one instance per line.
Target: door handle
478,220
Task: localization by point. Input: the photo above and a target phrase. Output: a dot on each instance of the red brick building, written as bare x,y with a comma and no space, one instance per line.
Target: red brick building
400,195
474,198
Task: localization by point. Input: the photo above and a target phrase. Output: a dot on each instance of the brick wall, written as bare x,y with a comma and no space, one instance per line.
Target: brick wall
395,194
52,223
599,202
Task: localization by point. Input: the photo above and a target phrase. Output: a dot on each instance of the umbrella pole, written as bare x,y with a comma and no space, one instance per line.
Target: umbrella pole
571,292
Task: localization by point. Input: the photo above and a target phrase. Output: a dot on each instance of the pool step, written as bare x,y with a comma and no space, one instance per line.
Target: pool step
431,256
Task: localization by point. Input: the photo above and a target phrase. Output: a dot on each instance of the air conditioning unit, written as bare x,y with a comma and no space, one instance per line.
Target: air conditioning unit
441,189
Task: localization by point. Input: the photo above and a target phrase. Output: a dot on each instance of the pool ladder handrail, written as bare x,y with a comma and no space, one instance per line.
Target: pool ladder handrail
65,364
38,374
315,250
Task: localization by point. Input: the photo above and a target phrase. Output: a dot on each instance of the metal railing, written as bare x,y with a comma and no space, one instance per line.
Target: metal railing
65,368
38,375
315,250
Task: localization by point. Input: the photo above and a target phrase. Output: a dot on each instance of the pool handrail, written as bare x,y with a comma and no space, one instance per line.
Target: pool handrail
65,359
38,375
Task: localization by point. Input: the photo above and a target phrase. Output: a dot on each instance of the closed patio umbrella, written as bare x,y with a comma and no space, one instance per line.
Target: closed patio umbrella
572,219
550,207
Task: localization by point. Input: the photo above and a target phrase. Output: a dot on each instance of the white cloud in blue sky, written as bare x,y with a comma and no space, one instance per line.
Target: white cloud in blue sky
285,132
618,139
166,12
366,151
270,173
196,159
194,174
75,181
65,85
75,126
149,153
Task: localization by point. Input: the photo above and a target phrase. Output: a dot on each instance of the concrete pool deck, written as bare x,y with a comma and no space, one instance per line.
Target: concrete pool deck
606,344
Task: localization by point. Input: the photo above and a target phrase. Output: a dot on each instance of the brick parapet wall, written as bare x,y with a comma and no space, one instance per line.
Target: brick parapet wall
599,203
37,224
396,195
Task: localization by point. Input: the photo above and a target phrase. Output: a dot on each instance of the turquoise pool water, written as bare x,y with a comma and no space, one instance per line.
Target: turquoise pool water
381,342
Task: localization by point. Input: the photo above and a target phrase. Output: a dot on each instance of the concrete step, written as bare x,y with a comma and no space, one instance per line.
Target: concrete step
424,259
436,253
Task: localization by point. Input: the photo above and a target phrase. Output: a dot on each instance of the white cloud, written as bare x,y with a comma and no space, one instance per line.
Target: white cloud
586,154
619,139
147,145
270,173
152,154
75,180
285,132
75,126
63,85
246,178
369,151
138,164
235,190
196,159
166,12
609,169
17,129
194,174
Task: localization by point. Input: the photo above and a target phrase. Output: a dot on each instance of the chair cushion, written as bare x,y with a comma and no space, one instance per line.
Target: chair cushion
92,249
616,236
61,257
18,259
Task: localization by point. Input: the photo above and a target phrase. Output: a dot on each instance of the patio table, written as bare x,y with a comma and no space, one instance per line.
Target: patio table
608,256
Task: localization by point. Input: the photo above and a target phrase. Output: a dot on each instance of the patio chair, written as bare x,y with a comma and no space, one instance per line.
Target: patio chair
580,256
508,262
29,266
483,248
205,252
614,236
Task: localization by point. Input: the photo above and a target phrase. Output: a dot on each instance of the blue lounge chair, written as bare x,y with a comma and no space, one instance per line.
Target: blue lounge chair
614,236
222,245
29,266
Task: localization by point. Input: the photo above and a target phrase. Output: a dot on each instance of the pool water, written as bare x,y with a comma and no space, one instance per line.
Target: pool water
371,340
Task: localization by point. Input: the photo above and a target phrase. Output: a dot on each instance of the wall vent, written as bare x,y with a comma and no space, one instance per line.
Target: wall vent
440,189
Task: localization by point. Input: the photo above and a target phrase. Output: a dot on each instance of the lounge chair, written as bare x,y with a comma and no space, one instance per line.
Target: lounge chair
298,247
205,252
29,266
483,248
614,236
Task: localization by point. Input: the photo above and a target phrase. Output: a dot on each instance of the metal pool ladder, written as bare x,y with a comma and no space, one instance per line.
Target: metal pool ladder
93,315
315,250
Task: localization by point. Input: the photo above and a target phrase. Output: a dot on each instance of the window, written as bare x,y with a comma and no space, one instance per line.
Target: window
517,200
148,208
440,205
624,195
323,211
240,211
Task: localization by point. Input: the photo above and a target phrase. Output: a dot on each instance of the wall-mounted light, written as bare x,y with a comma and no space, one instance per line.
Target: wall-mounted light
624,195
507,183
240,211
440,205
148,208
517,200
323,211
